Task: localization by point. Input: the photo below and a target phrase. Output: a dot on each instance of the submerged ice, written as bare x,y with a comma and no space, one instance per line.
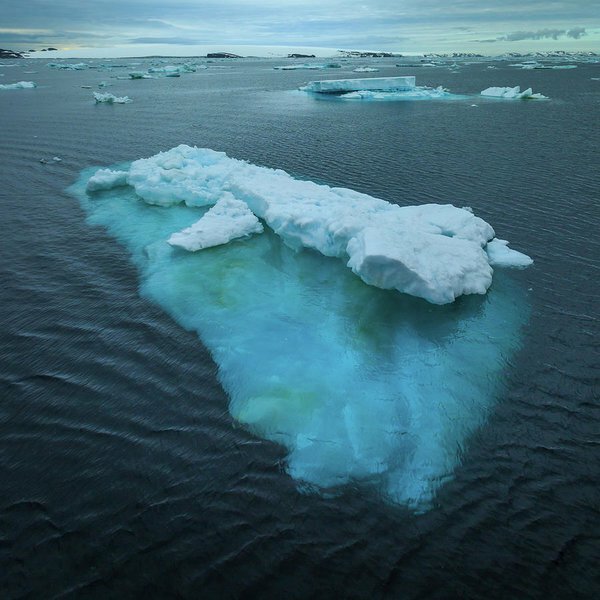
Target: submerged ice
359,384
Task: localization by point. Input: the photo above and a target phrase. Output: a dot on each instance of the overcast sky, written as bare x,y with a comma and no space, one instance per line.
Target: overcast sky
485,26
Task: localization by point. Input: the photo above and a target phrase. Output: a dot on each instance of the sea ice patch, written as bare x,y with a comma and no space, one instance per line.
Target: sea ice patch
227,220
108,98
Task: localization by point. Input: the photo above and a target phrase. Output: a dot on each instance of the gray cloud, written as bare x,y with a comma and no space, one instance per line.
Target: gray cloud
541,34
576,32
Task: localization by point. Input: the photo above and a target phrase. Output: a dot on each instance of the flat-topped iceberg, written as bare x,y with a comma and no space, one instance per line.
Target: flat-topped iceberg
365,70
307,67
377,84
512,93
227,220
20,85
357,385
436,252
108,98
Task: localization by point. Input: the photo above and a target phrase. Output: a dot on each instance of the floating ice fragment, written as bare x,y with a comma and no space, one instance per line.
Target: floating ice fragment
500,255
106,179
227,220
436,252
365,70
20,85
108,98
378,84
359,385
513,93
417,93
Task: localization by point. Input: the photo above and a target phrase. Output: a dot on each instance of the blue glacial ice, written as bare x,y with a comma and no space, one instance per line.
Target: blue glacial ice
358,384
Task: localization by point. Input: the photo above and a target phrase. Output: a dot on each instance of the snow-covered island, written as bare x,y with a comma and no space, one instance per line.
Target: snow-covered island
434,251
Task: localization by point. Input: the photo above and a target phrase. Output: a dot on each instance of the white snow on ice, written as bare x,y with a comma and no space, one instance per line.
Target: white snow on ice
106,179
378,84
512,93
227,220
20,85
436,252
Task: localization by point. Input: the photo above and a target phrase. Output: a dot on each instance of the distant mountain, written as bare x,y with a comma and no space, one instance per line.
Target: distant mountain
10,54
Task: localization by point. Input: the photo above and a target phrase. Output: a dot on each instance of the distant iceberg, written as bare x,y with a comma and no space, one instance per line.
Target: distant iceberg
20,85
512,93
365,70
359,385
436,252
108,98
377,84
173,70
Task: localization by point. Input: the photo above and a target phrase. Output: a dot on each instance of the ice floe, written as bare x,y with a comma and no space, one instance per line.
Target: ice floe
365,70
359,385
106,179
227,220
512,93
307,67
436,252
20,85
417,93
377,84
500,255
108,98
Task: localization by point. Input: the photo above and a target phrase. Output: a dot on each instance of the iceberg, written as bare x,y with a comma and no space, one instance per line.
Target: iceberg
139,75
378,84
20,85
360,386
365,70
307,67
173,70
513,93
108,98
227,220
436,252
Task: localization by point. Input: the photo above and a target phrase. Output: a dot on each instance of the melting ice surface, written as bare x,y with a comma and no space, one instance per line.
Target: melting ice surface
359,384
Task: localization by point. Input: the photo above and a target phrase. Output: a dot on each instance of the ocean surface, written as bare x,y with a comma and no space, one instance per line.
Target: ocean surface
122,471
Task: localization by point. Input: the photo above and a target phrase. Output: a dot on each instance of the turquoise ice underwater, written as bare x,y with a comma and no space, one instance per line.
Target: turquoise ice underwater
358,383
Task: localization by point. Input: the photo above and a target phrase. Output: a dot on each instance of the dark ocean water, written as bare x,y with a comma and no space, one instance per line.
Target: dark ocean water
122,473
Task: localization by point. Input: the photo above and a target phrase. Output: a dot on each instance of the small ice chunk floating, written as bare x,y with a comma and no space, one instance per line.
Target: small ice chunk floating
108,98
20,85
